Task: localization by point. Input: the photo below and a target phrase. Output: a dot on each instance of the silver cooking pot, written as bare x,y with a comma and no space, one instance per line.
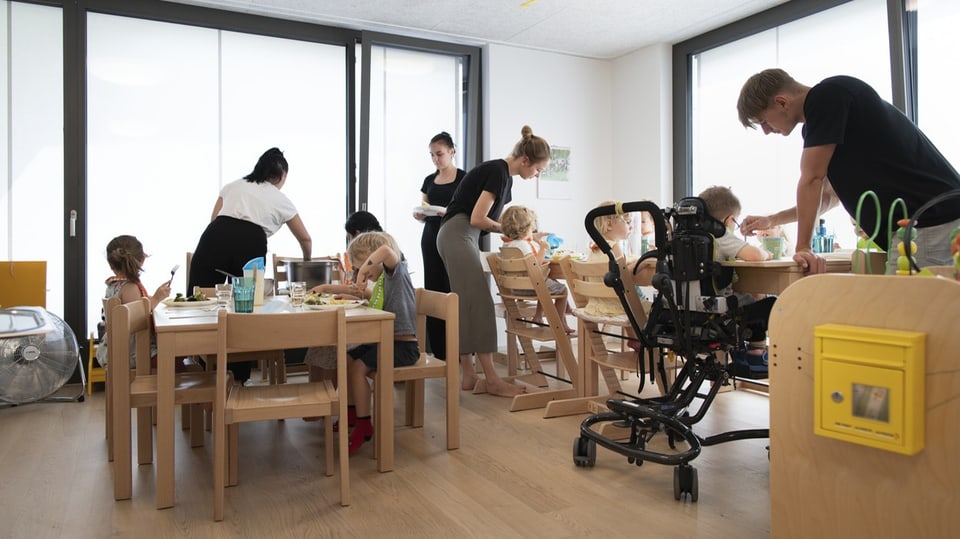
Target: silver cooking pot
312,272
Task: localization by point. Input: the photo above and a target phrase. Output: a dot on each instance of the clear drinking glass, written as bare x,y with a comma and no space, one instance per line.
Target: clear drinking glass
298,290
224,294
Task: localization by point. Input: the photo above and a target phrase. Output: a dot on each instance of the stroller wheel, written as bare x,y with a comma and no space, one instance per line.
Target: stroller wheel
584,452
685,481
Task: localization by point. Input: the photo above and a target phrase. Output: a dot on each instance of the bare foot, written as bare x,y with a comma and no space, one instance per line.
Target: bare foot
504,389
468,382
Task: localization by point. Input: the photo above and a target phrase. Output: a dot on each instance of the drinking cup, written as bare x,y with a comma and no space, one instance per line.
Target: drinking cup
298,291
774,246
243,291
224,294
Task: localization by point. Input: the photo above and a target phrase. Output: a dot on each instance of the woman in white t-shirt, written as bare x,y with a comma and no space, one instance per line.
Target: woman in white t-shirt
247,212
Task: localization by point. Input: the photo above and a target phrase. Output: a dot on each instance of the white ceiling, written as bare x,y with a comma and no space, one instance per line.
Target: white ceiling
591,28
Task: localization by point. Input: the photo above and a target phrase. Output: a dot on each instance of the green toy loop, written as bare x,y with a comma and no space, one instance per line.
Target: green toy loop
876,228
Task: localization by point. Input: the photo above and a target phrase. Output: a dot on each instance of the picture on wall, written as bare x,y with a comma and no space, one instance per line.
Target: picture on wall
554,182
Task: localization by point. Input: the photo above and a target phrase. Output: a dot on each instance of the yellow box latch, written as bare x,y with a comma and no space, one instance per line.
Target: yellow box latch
868,386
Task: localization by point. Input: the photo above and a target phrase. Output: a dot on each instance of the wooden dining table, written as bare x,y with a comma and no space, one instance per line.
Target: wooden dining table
190,332
774,276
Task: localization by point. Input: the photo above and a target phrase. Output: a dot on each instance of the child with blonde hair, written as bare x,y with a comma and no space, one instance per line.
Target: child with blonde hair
377,258
519,224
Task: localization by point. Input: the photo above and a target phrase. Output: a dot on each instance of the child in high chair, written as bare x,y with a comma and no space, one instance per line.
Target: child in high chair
616,230
518,224
380,260
724,206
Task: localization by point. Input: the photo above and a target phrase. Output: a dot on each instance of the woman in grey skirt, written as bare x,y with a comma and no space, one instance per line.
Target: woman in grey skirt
475,209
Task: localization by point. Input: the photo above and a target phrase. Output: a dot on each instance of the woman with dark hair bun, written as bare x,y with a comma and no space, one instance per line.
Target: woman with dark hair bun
246,213
475,209
437,190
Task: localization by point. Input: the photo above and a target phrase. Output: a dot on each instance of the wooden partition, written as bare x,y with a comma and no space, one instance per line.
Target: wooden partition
822,487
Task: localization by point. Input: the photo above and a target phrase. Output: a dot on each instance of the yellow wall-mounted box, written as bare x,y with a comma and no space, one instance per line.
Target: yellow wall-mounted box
868,386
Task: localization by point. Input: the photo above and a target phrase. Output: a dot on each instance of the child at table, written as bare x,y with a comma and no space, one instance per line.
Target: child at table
616,230
518,224
126,257
378,259
724,206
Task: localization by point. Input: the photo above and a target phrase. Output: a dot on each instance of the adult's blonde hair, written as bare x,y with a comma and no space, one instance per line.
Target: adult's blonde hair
535,149
517,221
364,244
758,92
721,202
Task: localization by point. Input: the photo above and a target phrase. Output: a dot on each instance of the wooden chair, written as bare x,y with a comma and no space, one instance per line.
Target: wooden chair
585,282
444,307
515,272
238,404
140,390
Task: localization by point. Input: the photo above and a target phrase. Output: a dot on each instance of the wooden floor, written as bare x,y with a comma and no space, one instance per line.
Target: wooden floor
512,477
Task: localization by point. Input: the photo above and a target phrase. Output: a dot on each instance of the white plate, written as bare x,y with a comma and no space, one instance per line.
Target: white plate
429,211
351,304
189,304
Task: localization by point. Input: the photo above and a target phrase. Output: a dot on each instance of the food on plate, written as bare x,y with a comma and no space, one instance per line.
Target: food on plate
199,296
316,299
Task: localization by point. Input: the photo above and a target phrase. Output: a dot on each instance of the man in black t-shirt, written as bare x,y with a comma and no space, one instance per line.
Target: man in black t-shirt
853,141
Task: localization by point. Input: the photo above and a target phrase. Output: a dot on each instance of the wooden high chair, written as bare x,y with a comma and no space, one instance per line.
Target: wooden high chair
585,282
515,273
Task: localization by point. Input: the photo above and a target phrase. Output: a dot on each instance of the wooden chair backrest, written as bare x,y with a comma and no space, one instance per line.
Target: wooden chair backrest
23,284
444,307
585,281
129,326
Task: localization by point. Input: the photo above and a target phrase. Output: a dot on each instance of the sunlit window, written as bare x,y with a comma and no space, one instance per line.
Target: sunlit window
850,39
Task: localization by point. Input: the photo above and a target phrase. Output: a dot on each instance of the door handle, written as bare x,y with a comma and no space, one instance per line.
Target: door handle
73,223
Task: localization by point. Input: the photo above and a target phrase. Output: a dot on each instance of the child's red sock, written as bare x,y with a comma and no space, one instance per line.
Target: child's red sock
351,418
361,433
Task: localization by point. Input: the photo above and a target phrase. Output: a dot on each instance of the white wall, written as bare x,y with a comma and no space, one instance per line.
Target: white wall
615,116
643,126
566,100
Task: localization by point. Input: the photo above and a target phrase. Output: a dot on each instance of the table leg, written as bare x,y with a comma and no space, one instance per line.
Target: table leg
165,426
384,427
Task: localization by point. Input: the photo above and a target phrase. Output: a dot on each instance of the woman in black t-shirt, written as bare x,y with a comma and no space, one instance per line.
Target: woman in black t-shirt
475,208
437,190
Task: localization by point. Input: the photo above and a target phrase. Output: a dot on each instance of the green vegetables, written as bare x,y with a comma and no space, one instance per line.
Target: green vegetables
196,297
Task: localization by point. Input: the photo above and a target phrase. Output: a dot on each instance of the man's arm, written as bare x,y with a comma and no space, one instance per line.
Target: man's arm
811,188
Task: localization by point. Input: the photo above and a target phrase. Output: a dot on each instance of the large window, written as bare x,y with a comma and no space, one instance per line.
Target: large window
938,40
175,112
400,134
32,216
850,39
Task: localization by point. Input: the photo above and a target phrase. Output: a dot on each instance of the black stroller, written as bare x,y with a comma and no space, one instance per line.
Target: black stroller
687,317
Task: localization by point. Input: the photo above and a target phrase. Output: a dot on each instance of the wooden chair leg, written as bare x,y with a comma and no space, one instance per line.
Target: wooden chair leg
413,409
196,425
144,435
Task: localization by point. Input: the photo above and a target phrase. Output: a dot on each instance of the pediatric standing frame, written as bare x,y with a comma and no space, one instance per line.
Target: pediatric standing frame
688,318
